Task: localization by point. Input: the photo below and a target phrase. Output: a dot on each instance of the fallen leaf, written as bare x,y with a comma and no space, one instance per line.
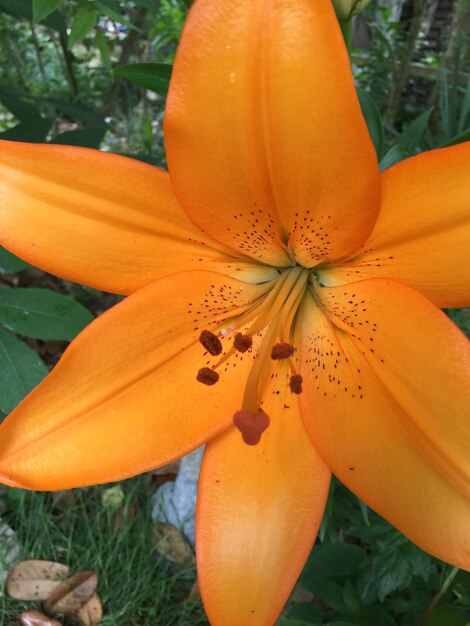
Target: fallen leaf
35,618
35,580
91,613
170,542
72,594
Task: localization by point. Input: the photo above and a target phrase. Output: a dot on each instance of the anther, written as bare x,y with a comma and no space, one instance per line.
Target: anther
295,383
210,342
282,351
242,343
251,425
206,376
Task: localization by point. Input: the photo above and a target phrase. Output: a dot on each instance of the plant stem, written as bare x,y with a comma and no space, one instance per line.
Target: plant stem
129,47
439,595
419,11
68,66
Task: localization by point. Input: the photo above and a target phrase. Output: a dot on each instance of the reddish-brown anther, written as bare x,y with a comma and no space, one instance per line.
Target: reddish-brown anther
207,376
295,383
282,350
251,425
242,343
210,342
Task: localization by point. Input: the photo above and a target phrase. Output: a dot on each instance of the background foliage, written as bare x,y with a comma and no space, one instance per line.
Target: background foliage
95,73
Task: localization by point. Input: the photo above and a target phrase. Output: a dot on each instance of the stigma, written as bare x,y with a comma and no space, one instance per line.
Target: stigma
271,320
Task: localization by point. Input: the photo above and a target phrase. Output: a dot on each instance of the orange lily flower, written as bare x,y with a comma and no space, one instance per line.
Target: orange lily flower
311,280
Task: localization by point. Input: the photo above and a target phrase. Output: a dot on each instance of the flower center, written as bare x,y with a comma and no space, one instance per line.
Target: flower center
272,320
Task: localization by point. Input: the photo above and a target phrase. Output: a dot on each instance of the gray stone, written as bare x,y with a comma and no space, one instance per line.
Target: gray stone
9,549
175,501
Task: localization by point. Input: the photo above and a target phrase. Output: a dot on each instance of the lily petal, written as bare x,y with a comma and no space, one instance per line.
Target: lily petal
386,405
124,397
100,219
258,511
422,233
278,153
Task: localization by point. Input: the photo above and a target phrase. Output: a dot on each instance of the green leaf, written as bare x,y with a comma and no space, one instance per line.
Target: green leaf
465,110
447,616
461,317
338,560
9,263
364,511
395,565
329,510
76,111
43,8
306,612
24,9
84,20
152,76
42,314
413,133
295,622
373,121
465,136
145,158
35,130
21,370
102,45
351,597
107,8
393,156
85,137
342,624
23,111
332,593
374,615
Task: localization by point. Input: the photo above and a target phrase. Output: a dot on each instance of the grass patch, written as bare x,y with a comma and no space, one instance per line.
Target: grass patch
136,585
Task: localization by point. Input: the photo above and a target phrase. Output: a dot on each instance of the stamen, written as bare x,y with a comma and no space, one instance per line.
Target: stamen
210,342
206,376
282,350
242,343
273,316
295,383
251,425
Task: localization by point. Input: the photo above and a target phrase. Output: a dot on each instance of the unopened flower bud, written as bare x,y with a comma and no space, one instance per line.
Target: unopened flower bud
345,9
